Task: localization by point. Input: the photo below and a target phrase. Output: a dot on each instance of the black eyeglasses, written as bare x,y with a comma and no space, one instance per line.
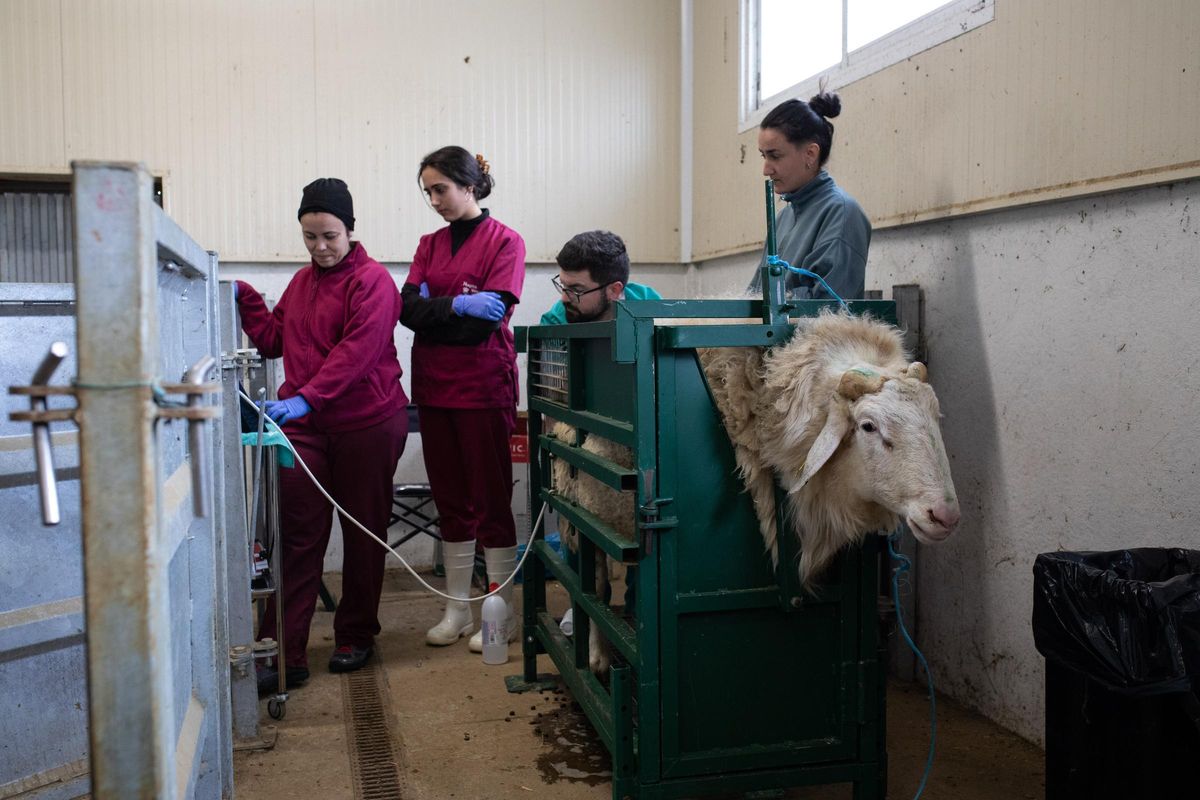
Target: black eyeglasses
576,293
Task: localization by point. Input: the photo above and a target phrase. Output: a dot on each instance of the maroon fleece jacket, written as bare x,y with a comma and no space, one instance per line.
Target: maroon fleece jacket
333,328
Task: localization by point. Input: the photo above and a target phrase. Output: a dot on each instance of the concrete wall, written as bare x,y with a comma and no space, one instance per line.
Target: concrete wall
1048,100
1064,343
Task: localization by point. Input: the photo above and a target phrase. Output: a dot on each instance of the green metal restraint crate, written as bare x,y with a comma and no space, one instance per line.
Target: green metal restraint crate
728,678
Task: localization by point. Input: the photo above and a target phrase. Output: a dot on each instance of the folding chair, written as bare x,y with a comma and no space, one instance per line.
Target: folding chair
412,506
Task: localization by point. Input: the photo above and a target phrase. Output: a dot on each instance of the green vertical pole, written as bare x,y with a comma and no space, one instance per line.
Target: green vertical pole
774,305
769,185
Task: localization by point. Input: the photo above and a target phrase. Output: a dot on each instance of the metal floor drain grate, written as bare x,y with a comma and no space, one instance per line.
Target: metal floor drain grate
372,753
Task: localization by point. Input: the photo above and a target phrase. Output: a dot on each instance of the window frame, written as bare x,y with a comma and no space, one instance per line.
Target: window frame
927,31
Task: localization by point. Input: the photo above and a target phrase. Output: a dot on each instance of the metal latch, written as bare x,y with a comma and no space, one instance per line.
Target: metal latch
652,520
193,387
41,417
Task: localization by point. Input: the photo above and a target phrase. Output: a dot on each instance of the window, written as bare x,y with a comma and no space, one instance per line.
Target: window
37,228
788,46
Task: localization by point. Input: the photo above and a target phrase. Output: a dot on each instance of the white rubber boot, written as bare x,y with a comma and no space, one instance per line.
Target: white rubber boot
501,561
458,621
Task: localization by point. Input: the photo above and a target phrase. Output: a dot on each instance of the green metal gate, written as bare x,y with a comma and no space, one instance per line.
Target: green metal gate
728,677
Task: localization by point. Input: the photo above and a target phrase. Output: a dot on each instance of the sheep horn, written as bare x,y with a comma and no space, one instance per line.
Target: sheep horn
917,370
857,382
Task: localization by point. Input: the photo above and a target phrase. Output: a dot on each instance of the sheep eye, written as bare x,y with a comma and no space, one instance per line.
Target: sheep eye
868,427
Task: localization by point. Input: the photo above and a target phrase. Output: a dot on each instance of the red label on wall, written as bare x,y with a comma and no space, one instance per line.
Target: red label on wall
518,448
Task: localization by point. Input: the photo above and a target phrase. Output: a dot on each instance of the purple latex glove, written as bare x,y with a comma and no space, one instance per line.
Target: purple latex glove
425,290
483,305
284,411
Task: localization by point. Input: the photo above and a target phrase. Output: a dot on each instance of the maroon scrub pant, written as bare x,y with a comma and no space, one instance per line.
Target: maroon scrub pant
469,465
356,468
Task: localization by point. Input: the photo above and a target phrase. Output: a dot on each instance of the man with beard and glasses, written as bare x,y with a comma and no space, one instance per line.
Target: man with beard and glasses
593,273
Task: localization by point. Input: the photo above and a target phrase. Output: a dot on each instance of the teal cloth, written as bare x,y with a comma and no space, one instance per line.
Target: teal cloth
273,438
557,315
824,230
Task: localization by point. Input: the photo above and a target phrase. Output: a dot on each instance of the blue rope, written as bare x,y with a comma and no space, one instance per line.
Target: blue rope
776,261
903,565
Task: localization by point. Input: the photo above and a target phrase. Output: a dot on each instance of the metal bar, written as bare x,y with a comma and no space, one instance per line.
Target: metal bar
607,472
42,449
238,568
693,336
196,376
613,544
258,449
614,430
769,186
615,629
595,701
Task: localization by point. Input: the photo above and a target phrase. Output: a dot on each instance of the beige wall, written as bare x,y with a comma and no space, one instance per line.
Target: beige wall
238,105
1049,100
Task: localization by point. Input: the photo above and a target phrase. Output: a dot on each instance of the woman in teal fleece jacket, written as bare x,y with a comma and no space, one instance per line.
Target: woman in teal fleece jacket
822,229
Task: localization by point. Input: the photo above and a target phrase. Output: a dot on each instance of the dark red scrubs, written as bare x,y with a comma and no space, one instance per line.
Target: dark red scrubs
334,329
467,394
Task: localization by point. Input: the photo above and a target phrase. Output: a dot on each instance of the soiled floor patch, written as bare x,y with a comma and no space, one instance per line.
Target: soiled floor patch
570,748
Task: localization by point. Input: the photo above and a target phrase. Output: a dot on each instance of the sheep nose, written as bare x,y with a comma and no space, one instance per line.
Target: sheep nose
945,514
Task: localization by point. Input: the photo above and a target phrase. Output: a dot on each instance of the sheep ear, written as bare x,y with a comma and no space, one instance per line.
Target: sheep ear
827,443
859,381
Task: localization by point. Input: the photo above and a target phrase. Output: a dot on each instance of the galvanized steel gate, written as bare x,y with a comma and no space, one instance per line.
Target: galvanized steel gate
154,561
728,678
43,730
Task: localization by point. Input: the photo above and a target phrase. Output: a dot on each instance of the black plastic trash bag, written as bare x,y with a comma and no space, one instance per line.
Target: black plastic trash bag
1128,619
1121,635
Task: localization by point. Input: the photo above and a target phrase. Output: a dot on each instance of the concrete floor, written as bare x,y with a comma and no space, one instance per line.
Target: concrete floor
459,734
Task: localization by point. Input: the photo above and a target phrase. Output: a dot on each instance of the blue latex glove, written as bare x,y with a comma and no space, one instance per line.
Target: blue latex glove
284,411
483,305
235,291
425,290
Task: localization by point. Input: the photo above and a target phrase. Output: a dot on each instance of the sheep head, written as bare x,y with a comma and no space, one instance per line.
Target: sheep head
881,449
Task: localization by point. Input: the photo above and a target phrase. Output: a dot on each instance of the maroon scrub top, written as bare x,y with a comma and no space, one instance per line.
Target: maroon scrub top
492,259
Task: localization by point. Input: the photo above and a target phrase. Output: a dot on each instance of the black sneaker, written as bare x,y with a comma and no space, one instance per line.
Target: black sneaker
268,679
348,658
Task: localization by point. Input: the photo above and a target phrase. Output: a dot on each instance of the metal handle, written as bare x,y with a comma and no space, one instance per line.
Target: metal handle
258,451
43,451
195,376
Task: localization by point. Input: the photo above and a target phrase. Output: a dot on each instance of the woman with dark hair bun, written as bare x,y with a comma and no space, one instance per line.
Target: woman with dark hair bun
458,298
822,229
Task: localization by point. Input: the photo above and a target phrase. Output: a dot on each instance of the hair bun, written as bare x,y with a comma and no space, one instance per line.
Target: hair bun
827,104
484,166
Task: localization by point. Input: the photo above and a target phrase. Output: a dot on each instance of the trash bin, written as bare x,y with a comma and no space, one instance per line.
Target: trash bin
1120,632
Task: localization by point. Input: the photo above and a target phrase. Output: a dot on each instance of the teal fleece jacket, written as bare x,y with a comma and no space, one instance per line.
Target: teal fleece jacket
824,230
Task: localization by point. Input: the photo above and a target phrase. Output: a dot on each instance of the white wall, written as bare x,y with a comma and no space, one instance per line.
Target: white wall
1064,344
237,105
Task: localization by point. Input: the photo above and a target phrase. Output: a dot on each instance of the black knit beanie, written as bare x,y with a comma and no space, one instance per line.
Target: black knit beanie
330,195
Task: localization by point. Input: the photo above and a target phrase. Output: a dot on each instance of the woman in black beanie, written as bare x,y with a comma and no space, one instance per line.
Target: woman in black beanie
343,408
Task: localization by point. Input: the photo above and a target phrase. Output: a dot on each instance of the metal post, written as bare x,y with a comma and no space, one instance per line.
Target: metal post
145,306
774,302
129,653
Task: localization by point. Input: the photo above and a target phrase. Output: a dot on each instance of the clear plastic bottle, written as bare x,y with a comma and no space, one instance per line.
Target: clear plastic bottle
495,628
